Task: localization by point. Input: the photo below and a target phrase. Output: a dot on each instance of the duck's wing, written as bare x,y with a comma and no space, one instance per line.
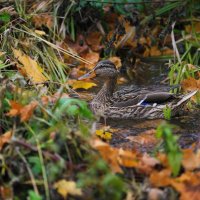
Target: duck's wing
158,97
144,97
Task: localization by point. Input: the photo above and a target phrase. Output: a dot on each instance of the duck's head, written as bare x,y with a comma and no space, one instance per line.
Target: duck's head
104,69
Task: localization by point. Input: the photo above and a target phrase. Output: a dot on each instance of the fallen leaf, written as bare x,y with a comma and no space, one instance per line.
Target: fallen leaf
188,185
190,84
194,28
104,134
65,188
15,109
160,178
149,161
93,58
154,51
116,60
108,153
43,20
81,84
190,159
30,67
94,40
6,192
5,138
53,98
27,111
127,158
146,138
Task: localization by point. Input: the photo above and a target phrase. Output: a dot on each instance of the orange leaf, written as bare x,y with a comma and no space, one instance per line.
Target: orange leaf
145,138
127,158
5,138
15,109
108,153
93,58
154,51
191,160
161,179
190,84
27,111
188,184
94,40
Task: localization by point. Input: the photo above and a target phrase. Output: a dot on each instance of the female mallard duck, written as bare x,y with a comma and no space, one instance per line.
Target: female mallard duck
142,104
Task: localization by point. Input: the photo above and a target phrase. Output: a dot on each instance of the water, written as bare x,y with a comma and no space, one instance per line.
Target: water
140,134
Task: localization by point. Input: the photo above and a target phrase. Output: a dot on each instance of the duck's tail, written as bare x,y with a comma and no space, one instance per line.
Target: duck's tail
186,97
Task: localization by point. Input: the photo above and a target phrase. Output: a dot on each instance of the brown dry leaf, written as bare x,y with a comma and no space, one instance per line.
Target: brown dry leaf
15,109
154,51
43,20
93,58
190,159
5,138
161,178
127,158
188,184
116,60
167,51
76,72
27,111
190,84
65,188
30,67
108,153
6,192
81,84
94,40
129,37
79,47
195,27
149,161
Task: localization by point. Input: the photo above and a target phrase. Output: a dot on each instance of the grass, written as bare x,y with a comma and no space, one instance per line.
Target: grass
54,143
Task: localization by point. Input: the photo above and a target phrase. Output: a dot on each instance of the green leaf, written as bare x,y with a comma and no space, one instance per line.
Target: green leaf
5,17
34,196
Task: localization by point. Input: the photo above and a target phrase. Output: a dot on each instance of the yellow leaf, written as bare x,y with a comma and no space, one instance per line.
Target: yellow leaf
67,187
40,32
5,138
30,67
81,84
104,134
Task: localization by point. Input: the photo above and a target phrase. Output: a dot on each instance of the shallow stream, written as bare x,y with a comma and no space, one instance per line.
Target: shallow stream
140,134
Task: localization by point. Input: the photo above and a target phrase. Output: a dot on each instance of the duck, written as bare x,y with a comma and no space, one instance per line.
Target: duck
130,104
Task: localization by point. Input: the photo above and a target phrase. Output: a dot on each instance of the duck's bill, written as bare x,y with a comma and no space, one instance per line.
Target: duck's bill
90,74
